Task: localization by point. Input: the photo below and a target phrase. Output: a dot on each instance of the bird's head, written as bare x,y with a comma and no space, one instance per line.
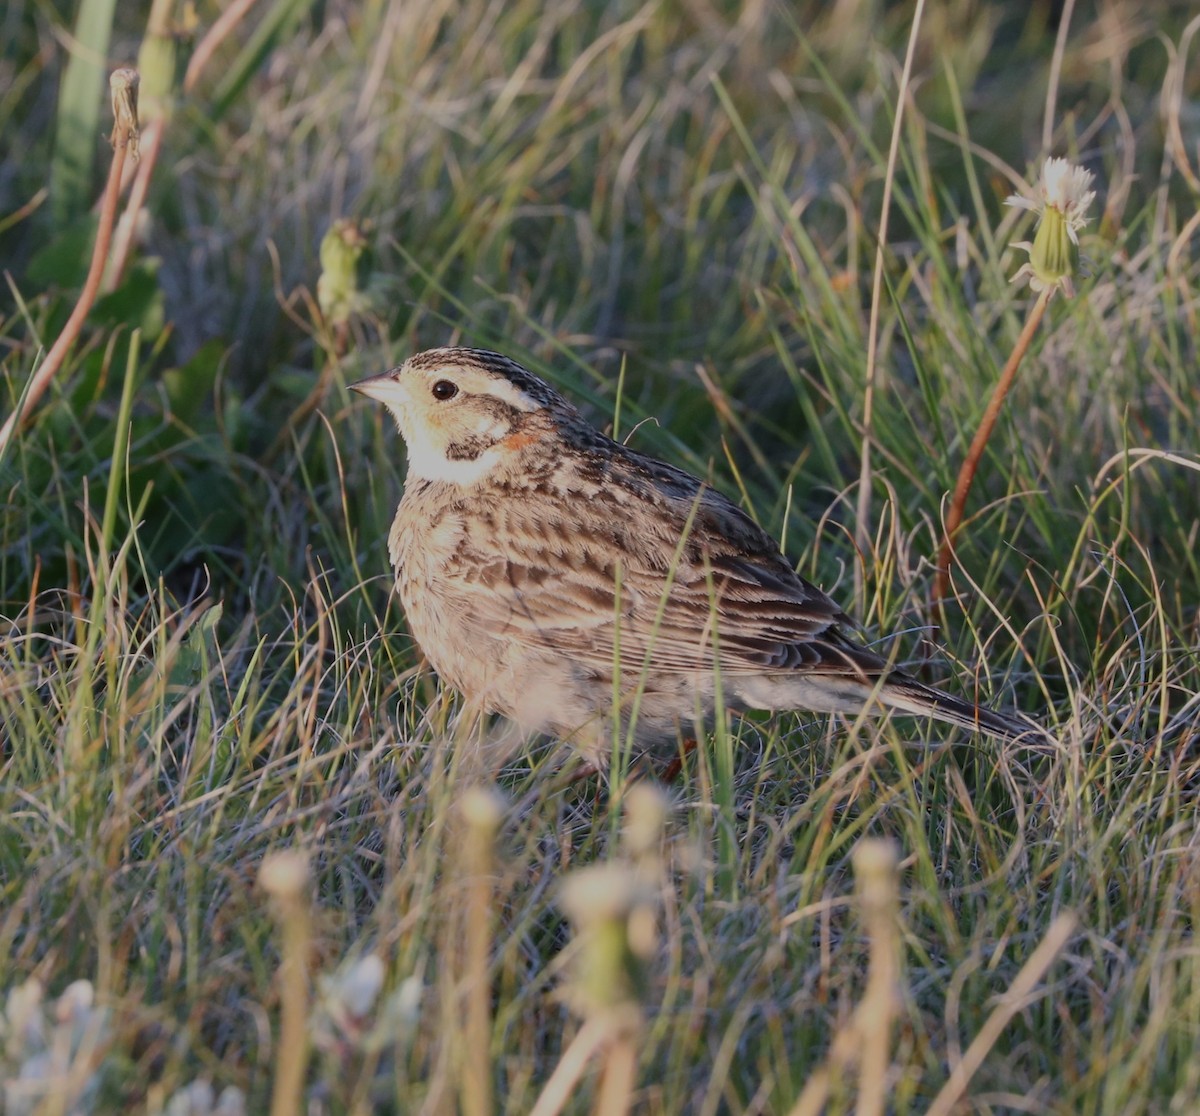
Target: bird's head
463,412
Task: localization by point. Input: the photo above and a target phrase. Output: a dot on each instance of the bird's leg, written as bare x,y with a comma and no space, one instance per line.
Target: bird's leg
672,770
585,772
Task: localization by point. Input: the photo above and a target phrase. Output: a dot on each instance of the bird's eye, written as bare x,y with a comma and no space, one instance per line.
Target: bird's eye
445,389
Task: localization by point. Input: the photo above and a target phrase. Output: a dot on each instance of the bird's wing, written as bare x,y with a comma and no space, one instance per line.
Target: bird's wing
693,582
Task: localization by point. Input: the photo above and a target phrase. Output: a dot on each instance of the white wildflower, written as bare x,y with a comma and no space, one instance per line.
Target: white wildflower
1064,196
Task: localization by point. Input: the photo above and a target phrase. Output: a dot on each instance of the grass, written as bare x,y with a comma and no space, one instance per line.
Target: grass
670,211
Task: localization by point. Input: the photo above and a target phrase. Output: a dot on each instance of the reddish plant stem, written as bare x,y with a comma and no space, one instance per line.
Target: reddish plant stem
966,474
125,134
123,240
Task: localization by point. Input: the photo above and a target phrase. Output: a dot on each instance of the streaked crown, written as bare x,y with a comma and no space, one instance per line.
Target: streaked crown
494,364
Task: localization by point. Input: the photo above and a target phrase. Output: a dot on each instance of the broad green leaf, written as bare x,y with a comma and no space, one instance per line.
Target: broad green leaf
83,96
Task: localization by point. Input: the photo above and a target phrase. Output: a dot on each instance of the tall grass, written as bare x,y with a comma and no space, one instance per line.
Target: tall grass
670,208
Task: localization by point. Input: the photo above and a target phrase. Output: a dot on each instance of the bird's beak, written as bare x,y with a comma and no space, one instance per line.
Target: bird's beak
384,387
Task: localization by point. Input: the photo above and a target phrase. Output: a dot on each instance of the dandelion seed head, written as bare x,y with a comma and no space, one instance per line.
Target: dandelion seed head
1063,197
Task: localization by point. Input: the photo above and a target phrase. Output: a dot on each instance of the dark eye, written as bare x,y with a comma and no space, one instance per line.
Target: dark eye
445,389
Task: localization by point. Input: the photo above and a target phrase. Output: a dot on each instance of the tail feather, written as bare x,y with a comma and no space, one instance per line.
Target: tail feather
907,695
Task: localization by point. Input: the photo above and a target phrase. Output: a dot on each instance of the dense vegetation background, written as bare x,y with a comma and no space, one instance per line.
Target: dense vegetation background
670,210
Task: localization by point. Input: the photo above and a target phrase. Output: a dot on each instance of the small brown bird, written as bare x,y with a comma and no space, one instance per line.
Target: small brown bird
574,585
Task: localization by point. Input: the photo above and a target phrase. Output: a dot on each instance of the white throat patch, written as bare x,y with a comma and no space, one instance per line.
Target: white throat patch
429,462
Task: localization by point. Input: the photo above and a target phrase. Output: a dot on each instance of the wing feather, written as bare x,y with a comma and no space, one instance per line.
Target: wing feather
597,575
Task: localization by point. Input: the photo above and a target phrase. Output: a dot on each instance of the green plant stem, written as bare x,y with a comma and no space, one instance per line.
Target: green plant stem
124,134
117,468
966,474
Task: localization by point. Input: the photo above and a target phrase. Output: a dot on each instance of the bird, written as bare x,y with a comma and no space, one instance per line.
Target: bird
595,594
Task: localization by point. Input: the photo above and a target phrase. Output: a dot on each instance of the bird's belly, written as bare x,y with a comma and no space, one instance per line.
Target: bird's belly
481,665
542,689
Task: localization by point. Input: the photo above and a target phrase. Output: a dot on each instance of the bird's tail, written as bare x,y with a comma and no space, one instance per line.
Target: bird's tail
907,695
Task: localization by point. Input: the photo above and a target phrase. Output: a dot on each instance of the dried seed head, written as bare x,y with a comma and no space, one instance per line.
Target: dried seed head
123,84
284,875
609,907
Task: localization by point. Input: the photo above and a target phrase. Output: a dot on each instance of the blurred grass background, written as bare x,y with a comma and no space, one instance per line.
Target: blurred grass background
670,210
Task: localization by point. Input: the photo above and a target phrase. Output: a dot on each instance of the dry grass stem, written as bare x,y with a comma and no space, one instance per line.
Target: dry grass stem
1056,60
865,1040
1014,1000
482,812
561,1084
618,1077
875,873
224,25
862,531
285,878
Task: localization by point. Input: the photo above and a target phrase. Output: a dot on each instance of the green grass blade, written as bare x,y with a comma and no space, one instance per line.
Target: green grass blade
279,22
